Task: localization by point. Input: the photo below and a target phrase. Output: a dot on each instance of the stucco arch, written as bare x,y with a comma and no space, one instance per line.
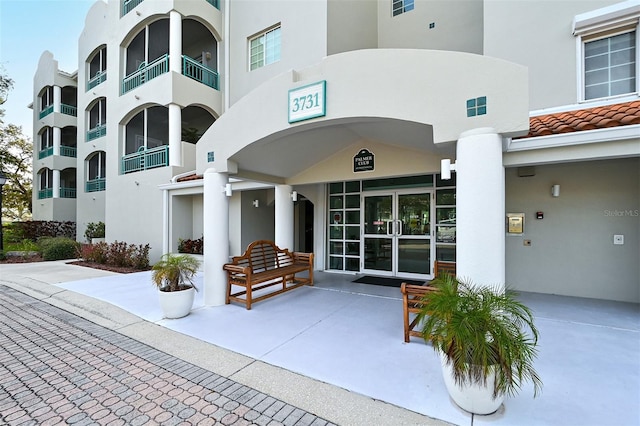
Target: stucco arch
397,86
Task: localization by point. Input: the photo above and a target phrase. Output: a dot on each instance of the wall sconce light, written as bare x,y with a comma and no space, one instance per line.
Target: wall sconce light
445,168
294,196
227,190
555,190
207,56
256,203
137,183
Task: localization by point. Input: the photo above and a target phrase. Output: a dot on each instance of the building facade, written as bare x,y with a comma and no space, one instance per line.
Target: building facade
381,135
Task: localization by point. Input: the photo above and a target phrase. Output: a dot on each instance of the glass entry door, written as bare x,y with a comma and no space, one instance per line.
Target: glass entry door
397,234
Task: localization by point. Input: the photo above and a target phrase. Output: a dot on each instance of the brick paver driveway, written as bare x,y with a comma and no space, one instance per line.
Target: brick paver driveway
56,367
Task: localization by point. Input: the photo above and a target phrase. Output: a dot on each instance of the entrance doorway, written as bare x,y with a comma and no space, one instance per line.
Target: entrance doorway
397,233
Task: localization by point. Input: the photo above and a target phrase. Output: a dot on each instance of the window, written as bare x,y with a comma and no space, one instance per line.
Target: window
264,49
401,6
610,66
607,42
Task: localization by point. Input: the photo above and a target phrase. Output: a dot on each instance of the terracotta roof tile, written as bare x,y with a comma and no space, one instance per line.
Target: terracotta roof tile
189,177
624,114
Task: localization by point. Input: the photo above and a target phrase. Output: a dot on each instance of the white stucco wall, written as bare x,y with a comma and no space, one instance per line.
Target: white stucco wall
572,251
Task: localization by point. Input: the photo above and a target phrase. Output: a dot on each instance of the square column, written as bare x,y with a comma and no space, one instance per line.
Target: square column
216,237
480,222
284,217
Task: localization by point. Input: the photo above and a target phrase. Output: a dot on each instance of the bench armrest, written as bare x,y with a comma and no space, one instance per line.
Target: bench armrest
230,267
303,257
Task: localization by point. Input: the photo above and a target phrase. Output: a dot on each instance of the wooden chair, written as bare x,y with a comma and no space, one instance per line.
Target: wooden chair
413,294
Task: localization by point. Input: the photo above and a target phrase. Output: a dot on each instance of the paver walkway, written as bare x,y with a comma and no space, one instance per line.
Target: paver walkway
56,367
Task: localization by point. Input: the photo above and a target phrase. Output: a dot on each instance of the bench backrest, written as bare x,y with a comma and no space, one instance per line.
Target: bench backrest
264,255
440,267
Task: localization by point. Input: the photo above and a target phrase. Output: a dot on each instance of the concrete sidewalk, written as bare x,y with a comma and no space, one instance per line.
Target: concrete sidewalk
313,402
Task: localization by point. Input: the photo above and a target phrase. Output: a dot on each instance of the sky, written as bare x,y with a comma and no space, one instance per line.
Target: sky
27,29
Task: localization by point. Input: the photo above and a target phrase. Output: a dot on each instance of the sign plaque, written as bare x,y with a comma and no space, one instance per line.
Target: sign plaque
363,161
308,102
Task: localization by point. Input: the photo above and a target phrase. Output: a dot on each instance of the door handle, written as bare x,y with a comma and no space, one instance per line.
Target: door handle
399,229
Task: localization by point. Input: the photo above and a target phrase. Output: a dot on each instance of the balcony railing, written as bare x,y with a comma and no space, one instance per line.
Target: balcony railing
45,193
67,192
95,185
47,152
100,77
145,73
97,132
46,111
214,3
146,159
128,5
69,110
68,151
199,72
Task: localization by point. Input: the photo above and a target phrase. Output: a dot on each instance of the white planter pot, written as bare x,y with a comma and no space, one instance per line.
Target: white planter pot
474,398
176,304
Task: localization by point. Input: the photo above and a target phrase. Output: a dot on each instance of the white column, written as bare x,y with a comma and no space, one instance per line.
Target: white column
175,135
165,221
216,237
57,98
480,248
57,136
56,183
175,42
284,217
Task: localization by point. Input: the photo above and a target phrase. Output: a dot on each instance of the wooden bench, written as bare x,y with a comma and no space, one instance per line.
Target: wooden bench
263,265
413,294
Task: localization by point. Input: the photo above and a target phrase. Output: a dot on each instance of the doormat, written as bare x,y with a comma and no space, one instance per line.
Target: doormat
385,281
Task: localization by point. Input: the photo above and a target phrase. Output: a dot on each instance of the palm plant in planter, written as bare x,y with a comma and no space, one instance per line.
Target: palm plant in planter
487,342
173,275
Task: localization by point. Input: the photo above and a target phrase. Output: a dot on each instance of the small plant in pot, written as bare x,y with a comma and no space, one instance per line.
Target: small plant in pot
486,339
173,275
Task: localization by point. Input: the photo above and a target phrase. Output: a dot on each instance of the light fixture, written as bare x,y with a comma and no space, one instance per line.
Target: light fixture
294,196
445,168
555,190
137,183
256,203
227,190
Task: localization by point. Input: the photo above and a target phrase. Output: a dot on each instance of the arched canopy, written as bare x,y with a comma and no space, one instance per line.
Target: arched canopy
411,99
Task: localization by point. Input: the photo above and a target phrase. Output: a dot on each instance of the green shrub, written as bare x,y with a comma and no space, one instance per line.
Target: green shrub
58,248
2,255
94,230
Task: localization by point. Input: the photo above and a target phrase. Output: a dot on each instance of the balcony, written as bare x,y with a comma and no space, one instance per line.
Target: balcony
199,72
45,193
100,77
145,159
47,152
95,185
129,5
46,111
68,151
67,192
145,73
97,132
69,110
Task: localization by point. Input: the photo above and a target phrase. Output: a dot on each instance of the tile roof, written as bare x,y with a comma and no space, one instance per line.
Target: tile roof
623,114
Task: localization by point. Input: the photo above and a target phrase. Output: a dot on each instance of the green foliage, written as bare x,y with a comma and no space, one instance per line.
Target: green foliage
191,246
16,157
34,229
58,248
117,253
94,230
2,255
479,331
175,272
